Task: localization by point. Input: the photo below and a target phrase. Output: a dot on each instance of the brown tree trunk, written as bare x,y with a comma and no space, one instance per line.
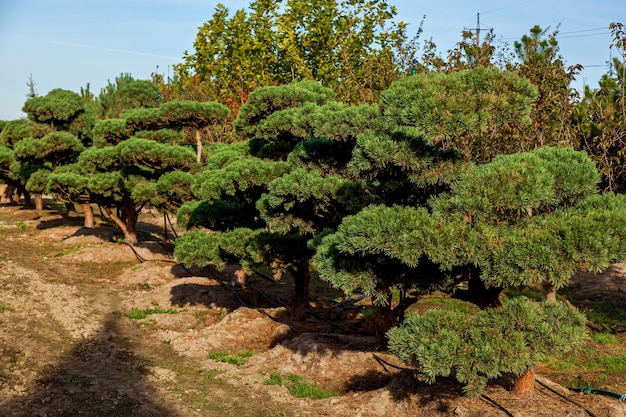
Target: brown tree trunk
524,385
550,292
27,201
69,207
302,278
7,195
130,235
479,294
38,202
199,146
384,319
88,214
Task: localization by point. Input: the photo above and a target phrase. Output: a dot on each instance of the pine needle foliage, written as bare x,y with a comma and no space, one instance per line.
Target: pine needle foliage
477,348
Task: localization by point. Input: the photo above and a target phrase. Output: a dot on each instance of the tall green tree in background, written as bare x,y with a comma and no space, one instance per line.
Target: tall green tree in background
347,46
123,94
601,118
541,63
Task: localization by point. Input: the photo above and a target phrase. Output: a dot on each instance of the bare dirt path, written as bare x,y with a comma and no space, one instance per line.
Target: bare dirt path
67,347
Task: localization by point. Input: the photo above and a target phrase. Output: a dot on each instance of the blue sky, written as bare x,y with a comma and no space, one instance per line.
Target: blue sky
69,43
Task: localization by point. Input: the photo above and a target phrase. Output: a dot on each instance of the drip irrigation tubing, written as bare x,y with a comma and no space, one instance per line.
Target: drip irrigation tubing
589,413
171,226
592,390
142,259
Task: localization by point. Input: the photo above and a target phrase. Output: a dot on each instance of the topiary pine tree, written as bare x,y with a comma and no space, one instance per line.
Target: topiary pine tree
520,220
478,348
300,147
445,222
57,108
44,155
122,174
13,132
178,115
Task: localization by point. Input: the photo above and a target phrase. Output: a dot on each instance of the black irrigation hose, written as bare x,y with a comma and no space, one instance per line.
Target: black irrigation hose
589,413
171,225
267,277
488,399
592,390
142,259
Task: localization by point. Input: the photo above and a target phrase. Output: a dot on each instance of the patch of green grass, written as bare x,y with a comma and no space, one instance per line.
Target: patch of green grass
200,315
275,378
227,357
4,307
210,373
137,314
22,225
303,389
367,311
69,251
605,338
609,363
298,386
526,292
606,314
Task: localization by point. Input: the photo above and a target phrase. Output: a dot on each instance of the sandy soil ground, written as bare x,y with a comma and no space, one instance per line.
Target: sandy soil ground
67,347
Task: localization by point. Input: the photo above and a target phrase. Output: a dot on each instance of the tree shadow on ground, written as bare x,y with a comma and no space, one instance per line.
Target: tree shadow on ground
326,330
100,376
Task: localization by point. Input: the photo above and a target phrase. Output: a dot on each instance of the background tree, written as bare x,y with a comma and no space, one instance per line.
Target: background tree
123,94
57,108
353,48
601,119
541,63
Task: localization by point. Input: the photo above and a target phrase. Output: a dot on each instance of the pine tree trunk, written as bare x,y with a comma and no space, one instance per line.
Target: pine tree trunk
384,319
302,278
524,385
88,214
69,207
7,194
199,146
550,292
130,236
479,294
27,201
39,202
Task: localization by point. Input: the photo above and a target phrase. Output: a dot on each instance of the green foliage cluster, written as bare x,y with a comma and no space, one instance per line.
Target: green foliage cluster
476,348
355,48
